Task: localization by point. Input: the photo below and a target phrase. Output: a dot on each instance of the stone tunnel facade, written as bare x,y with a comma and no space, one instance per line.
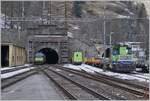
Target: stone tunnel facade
57,43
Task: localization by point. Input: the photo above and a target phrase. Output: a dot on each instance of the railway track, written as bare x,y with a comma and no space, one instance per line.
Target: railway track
73,90
13,69
132,84
137,90
6,82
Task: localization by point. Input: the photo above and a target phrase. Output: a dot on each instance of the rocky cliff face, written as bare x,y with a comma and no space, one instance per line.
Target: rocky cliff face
127,20
146,4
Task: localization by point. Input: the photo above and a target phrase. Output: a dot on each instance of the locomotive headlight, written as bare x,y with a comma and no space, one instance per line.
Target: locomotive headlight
146,65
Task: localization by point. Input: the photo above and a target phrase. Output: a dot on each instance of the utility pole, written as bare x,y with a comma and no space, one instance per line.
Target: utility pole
11,13
5,14
104,66
66,27
50,11
18,23
45,13
22,14
110,59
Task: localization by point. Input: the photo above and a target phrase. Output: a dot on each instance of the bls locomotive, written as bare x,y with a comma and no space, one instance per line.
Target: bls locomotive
39,58
77,58
121,59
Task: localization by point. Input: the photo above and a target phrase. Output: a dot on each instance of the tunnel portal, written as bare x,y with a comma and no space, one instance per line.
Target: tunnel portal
51,55
55,48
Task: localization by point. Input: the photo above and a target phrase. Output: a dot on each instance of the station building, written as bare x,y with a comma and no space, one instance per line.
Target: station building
12,55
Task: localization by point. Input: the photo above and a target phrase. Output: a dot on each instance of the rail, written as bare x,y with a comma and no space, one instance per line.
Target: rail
90,91
112,82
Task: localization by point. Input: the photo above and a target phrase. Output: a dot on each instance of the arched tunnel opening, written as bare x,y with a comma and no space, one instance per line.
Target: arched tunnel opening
50,55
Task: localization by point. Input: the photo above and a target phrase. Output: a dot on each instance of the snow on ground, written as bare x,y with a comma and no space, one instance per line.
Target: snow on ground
76,67
92,69
27,64
146,76
7,75
6,68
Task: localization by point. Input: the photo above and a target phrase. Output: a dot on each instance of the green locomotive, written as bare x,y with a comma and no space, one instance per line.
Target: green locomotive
39,58
77,58
121,59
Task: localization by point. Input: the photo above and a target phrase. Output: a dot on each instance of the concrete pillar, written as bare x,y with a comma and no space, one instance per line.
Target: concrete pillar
10,55
15,58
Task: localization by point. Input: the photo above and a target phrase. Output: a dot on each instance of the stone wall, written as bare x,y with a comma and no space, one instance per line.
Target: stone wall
14,36
88,50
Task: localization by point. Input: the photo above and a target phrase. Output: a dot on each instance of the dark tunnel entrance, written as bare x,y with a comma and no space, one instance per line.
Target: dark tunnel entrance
51,55
4,56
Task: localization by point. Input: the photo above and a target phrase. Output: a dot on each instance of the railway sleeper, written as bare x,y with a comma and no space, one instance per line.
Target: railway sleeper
83,87
115,84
